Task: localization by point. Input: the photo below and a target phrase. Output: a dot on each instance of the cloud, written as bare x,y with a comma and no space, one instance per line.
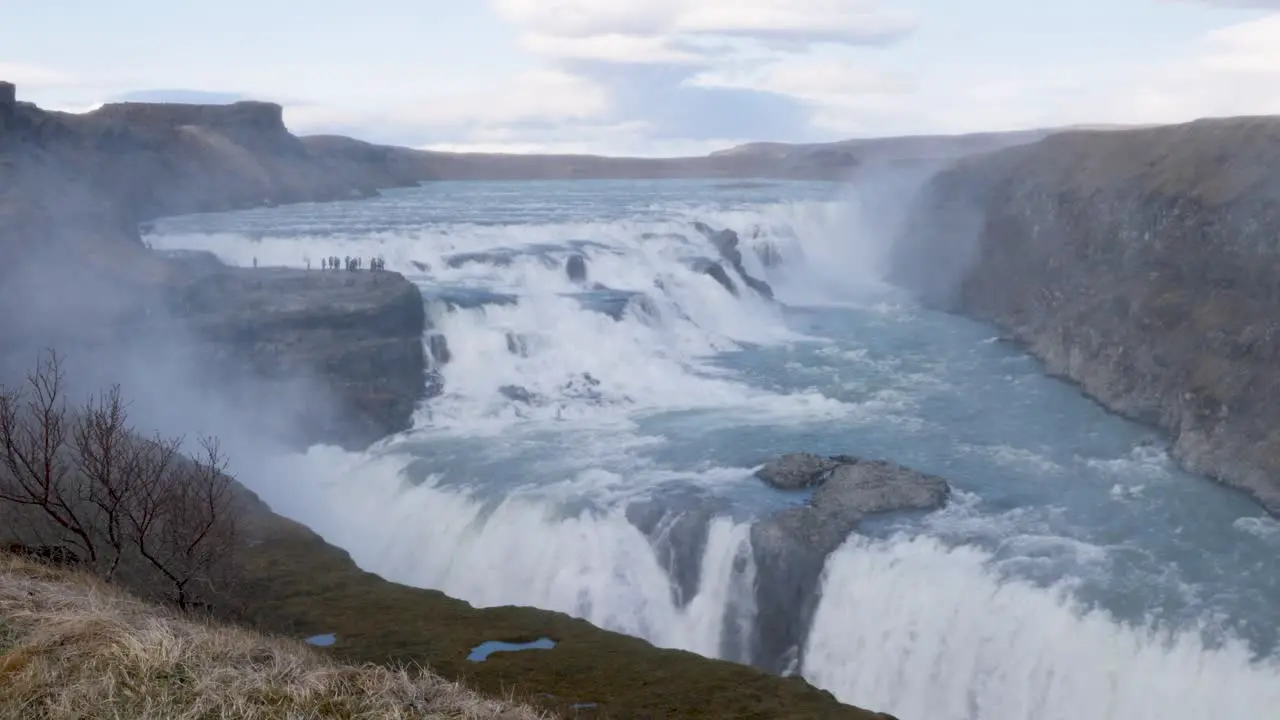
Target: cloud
1246,4
659,95
34,75
648,52
614,47
1247,48
179,95
675,76
634,139
533,96
695,32
1233,71
841,96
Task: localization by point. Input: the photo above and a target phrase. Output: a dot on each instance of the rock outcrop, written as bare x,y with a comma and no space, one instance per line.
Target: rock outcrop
351,342
726,244
791,547
576,268
73,189
1141,264
304,356
715,271
166,159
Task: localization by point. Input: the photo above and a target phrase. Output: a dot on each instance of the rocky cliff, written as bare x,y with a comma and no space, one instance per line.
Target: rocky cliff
167,159
841,160
73,189
1141,264
350,342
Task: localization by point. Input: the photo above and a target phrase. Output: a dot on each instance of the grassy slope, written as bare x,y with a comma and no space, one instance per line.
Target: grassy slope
69,644
299,585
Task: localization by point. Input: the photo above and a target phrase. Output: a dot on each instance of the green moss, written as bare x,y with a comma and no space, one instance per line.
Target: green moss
299,585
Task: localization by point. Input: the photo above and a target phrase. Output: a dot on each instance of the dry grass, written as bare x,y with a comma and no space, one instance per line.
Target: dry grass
73,647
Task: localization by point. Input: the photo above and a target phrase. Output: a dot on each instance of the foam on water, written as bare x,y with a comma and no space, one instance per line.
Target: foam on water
996,612
517,550
921,631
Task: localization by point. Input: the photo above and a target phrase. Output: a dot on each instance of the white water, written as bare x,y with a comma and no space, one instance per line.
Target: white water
600,568
525,501
922,631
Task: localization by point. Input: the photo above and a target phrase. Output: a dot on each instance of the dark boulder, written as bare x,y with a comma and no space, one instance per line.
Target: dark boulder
576,268
796,471
516,393
726,244
716,272
438,347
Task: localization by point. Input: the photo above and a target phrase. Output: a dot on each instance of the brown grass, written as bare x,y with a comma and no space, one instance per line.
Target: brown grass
74,647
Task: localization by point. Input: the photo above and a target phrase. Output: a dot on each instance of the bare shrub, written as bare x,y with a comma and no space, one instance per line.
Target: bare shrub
132,509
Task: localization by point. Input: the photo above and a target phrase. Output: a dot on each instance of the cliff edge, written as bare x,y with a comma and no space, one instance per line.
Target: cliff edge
350,342
73,189
1142,264
152,159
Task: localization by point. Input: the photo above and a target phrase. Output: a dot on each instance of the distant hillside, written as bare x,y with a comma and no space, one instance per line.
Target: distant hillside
81,179
820,161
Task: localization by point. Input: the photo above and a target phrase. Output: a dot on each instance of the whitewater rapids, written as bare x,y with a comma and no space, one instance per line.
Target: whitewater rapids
1077,574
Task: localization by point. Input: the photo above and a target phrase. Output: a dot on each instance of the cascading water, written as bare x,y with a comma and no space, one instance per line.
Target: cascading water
932,633
570,407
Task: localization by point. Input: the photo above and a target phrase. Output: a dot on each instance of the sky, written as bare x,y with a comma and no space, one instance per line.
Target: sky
655,77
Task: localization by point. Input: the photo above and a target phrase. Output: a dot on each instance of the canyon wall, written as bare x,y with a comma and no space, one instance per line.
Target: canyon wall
1142,264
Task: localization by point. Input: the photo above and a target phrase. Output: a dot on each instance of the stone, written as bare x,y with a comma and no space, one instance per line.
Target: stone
796,471
792,546
576,268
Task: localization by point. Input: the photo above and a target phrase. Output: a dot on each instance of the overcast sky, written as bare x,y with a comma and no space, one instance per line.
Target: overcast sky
656,77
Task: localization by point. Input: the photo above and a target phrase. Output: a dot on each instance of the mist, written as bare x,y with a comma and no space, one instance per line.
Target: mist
120,328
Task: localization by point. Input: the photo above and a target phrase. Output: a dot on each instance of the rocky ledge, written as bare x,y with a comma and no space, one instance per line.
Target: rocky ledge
792,546
342,351
1142,264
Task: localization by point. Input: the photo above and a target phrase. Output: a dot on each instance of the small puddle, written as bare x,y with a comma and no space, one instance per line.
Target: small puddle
481,652
322,640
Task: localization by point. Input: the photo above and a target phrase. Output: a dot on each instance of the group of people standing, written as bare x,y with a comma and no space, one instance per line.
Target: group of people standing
333,262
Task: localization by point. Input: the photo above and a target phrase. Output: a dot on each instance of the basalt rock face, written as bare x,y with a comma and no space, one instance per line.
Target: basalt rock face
792,546
726,244
166,159
289,356
73,189
348,343
1141,264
